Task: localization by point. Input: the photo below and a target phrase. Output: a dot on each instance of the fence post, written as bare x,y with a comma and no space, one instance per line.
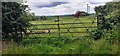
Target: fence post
58,26
98,22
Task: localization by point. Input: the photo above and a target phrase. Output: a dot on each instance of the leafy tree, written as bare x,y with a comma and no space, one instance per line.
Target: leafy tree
14,20
108,18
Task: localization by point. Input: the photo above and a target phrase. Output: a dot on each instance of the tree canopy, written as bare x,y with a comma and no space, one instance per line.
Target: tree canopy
108,18
15,17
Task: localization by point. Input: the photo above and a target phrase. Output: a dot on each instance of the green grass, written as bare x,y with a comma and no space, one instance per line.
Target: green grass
68,19
66,45
77,43
64,19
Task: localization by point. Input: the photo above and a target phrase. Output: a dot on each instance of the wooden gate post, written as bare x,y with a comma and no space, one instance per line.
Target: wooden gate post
58,24
58,20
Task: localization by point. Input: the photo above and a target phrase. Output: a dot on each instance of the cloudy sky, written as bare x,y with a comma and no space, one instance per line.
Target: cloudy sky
62,7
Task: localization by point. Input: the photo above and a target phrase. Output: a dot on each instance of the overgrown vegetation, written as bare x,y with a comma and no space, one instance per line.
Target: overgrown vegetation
108,20
15,19
105,40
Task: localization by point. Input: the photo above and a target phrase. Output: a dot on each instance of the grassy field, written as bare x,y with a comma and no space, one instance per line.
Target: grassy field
79,43
44,25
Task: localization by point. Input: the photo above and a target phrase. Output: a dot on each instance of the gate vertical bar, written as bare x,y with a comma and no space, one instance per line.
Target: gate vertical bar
58,26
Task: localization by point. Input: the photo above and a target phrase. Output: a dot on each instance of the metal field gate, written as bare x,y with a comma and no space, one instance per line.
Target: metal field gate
63,27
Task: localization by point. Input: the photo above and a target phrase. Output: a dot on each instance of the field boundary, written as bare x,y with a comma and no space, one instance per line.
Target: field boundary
58,23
